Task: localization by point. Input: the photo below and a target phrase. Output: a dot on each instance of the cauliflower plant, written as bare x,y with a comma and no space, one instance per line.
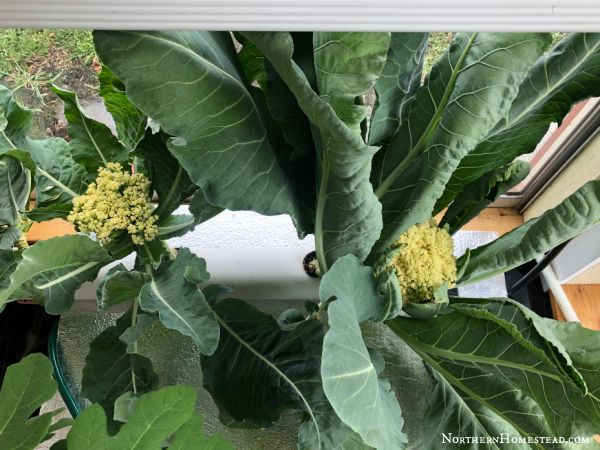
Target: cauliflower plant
117,200
424,262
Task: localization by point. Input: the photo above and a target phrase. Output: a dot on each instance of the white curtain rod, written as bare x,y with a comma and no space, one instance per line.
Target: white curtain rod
294,15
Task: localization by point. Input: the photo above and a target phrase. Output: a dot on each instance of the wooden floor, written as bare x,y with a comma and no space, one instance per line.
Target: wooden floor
585,298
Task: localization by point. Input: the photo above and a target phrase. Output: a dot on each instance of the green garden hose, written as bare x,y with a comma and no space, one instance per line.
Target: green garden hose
53,352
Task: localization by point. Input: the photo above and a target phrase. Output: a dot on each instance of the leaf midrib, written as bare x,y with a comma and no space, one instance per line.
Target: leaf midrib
275,369
64,187
468,391
6,294
387,183
156,291
452,356
13,200
547,93
13,412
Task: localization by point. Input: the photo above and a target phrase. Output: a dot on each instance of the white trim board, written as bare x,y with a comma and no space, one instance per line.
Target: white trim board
316,15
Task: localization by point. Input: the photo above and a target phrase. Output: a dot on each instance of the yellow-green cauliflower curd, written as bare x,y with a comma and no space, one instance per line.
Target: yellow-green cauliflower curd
425,262
117,200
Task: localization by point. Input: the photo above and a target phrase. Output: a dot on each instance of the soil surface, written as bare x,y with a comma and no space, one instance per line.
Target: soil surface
66,73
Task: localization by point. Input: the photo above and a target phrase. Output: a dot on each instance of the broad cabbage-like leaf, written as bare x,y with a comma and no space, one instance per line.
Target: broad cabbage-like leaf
361,397
583,346
118,286
468,91
51,270
15,186
130,122
110,371
173,293
14,121
180,224
261,369
8,237
170,181
575,214
564,76
132,334
347,64
92,143
58,178
482,192
252,62
199,95
497,374
156,416
26,386
399,80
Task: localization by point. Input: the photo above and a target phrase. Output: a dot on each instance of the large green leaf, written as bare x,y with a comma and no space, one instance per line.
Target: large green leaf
58,178
132,334
583,346
8,237
566,75
51,270
347,65
397,84
261,369
92,143
172,184
294,125
201,209
508,313
119,286
110,371
496,374
190,435
180,224
482,192
199,95
467,92
252,62
291,137
351,380
575,214
129,121
157,415
173,293
15,186
452,416
170,181
14,121
8,263
27,385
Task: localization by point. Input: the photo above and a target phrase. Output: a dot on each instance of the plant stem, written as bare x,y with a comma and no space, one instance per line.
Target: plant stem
164,202
8,140
171,251
133,322
321,199
21,242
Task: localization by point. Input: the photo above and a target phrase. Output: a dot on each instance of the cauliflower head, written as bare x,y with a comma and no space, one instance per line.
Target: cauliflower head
424,262
117,200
